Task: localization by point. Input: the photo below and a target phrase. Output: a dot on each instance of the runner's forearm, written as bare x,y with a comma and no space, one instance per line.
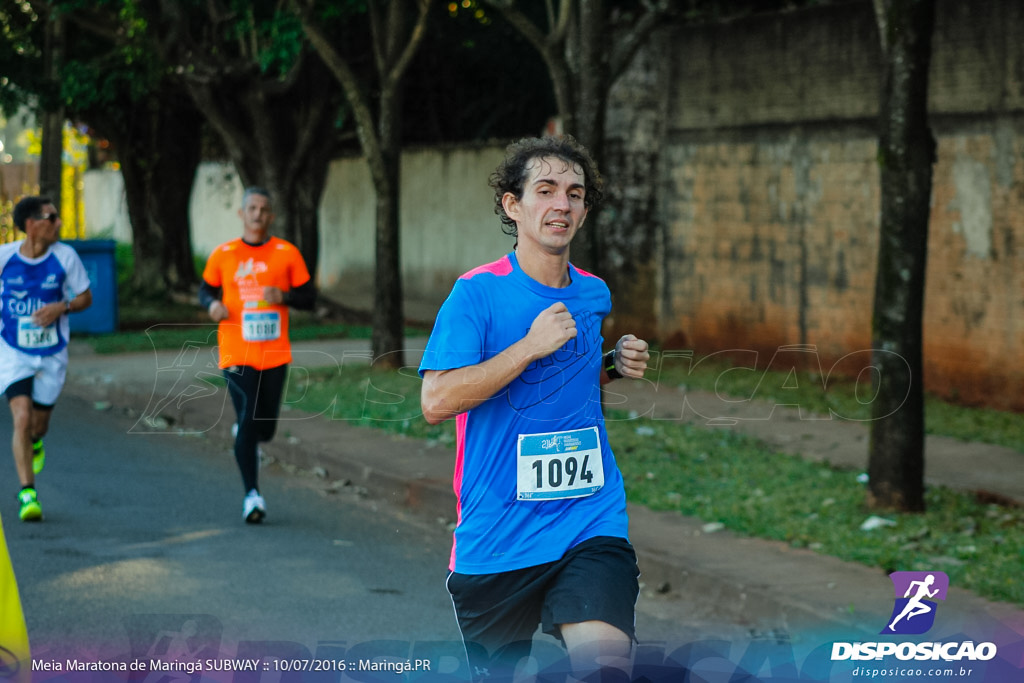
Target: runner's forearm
208,294
447,393
302,298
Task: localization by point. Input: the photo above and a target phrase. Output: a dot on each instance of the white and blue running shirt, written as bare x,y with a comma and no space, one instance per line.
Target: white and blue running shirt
556,400
26,285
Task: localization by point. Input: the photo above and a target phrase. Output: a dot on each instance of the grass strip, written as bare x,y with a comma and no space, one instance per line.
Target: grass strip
730,479
169,336
837,395
739,482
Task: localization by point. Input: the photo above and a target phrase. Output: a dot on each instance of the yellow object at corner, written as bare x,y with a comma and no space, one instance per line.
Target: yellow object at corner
15,661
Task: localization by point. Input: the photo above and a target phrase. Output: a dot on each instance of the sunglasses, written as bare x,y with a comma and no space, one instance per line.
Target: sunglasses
52,217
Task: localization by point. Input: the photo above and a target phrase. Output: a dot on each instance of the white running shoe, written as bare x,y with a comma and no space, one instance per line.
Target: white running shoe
254,508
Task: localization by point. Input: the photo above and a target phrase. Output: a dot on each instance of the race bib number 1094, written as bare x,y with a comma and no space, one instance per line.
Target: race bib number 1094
559,465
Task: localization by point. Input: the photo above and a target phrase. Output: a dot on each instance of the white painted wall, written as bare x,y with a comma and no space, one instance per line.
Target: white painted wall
106,212
447,218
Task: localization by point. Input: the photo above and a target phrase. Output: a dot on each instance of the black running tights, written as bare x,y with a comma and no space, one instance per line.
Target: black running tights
256,395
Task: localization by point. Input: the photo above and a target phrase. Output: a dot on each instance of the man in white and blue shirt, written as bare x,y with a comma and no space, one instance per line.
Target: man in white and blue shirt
41,282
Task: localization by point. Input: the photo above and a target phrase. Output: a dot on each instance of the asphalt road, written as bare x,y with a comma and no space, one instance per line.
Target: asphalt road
139,526
143,553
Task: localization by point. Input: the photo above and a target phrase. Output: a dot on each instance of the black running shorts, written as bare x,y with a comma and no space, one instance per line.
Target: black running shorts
595,581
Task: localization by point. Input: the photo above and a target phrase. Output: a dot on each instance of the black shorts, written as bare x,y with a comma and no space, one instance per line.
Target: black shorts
595,581
23,387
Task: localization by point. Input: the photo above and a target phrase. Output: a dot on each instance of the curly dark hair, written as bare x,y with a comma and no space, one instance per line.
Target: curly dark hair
511,174
29,207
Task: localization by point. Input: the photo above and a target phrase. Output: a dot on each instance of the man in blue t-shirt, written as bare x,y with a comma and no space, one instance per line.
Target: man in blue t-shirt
516,358
41,282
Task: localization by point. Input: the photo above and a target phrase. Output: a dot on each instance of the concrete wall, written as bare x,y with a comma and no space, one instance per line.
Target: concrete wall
447,218
771,199
823,65
106,213
448,223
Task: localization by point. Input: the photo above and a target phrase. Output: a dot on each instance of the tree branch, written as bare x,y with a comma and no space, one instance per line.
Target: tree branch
882,19
308,136
560,27
103,27
280,86
394,75
205,100
550,49
376,30
365,127
522,23
626,48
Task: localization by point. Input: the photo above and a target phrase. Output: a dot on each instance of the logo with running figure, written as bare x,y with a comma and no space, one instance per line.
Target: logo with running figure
916,592
561,443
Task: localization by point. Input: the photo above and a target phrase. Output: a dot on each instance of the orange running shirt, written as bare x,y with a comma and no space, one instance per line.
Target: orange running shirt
255,332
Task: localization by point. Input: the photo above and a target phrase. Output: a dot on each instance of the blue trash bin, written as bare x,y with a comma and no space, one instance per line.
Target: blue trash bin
99,261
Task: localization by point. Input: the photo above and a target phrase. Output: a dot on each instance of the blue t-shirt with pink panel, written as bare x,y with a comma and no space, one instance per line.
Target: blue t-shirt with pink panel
534,473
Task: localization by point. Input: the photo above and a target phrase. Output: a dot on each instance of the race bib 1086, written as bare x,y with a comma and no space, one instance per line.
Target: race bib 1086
559,465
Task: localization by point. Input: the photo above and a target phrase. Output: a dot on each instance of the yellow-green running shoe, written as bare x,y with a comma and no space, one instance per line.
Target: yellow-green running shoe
30,510
38,456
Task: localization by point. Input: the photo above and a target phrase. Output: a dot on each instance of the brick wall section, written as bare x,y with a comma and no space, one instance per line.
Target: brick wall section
974,322
774,248
770,192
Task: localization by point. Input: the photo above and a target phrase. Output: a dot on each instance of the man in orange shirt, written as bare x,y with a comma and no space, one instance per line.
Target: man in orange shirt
248,285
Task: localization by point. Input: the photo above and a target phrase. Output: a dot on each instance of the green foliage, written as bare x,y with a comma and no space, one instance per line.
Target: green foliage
984,425
101,70
136,51
283,40
270,34
21,36
342,10
104,85
124,263
273,40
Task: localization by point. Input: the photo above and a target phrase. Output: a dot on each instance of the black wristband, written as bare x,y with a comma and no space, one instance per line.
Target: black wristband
609,365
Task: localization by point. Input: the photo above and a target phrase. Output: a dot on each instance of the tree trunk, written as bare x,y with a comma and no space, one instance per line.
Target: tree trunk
51,155
178,145
630,226
906,155
147,274
388,339
388,320
158,144
52,117
593,81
